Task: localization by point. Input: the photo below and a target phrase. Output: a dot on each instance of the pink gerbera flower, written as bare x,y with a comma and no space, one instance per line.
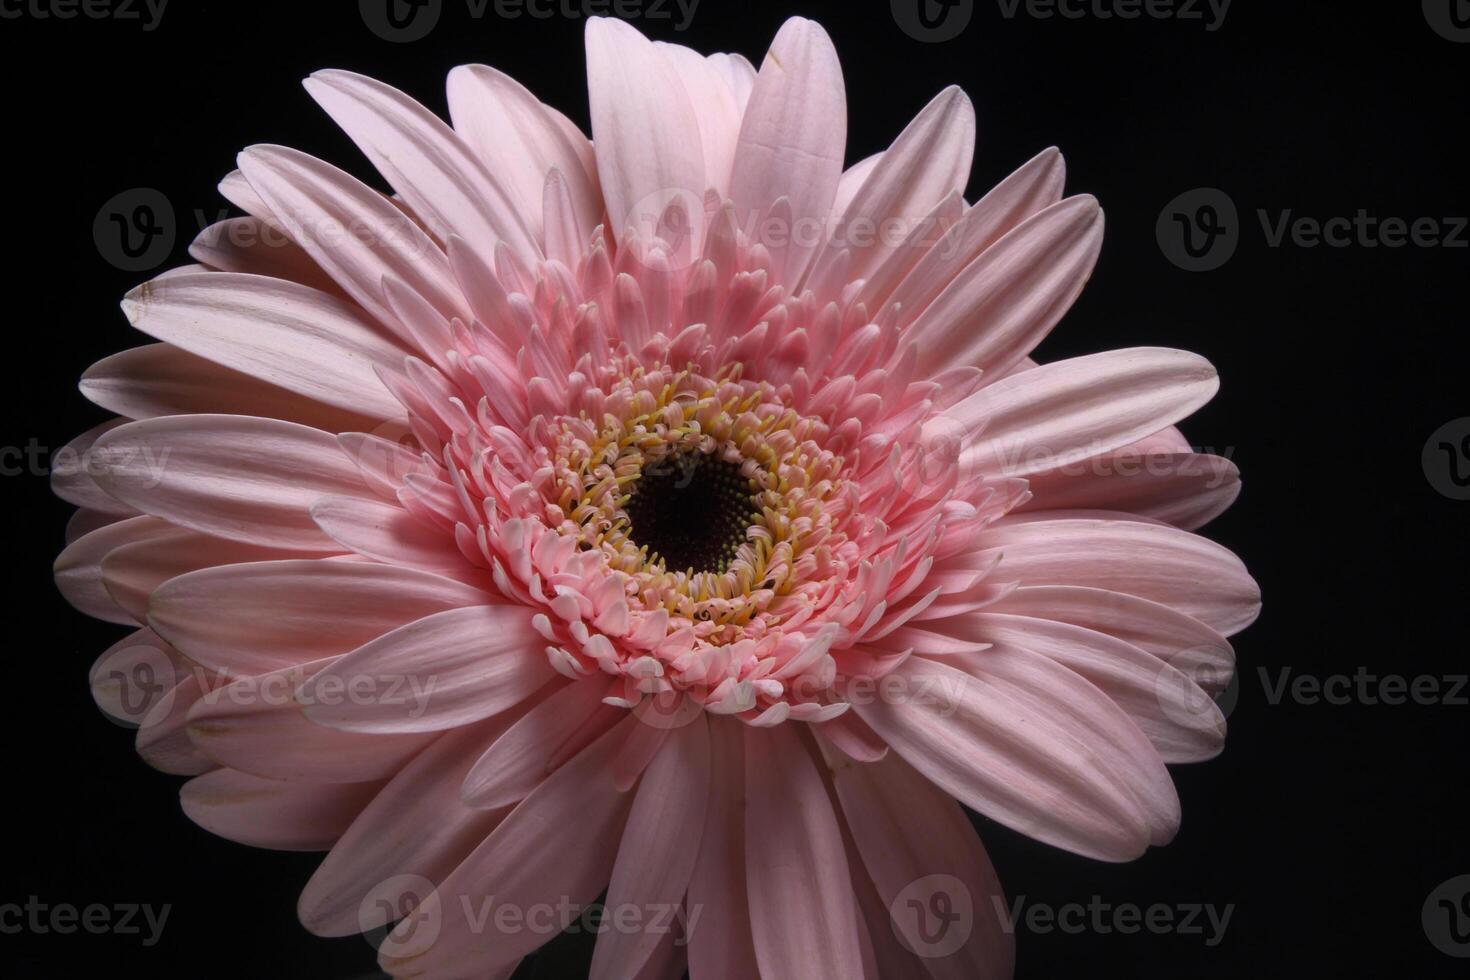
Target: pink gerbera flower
678,517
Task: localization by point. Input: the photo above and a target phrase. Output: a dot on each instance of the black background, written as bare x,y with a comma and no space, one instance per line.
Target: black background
1324,826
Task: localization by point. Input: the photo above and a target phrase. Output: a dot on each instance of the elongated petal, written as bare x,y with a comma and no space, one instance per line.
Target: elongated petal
268,813
521,139
515,764
717,110
289,335
1061,413
1004,303
78,569
908,830
929,161
1178,717
414,833
802,915
536,857
232,476
426,162
1168,634
132,573
1186,572
353,232
645,129
1184,489
256,725
659,847
443,671
720,942
254,618
1051,765
161,379
793,138
1036,185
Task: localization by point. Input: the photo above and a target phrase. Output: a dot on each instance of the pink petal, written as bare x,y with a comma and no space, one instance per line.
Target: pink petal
1036,185
388,533
161,379
907,830
659,847
1186,572
131,573
516,763
929,161
793,138
425,162
521,140
266,813
72,472
1064,412
1065,766
1005,302
718,111
720,943
551,849
353,232
254,618
258,247
443,671
645,128
78,569
231,476
291,336
801,911
1181,640
1187,489
255,725
1179,718
414,833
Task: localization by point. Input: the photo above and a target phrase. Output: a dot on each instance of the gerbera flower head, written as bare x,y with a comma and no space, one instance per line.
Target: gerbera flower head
679,516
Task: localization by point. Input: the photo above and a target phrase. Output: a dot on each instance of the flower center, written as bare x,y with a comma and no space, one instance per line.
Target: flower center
690,510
